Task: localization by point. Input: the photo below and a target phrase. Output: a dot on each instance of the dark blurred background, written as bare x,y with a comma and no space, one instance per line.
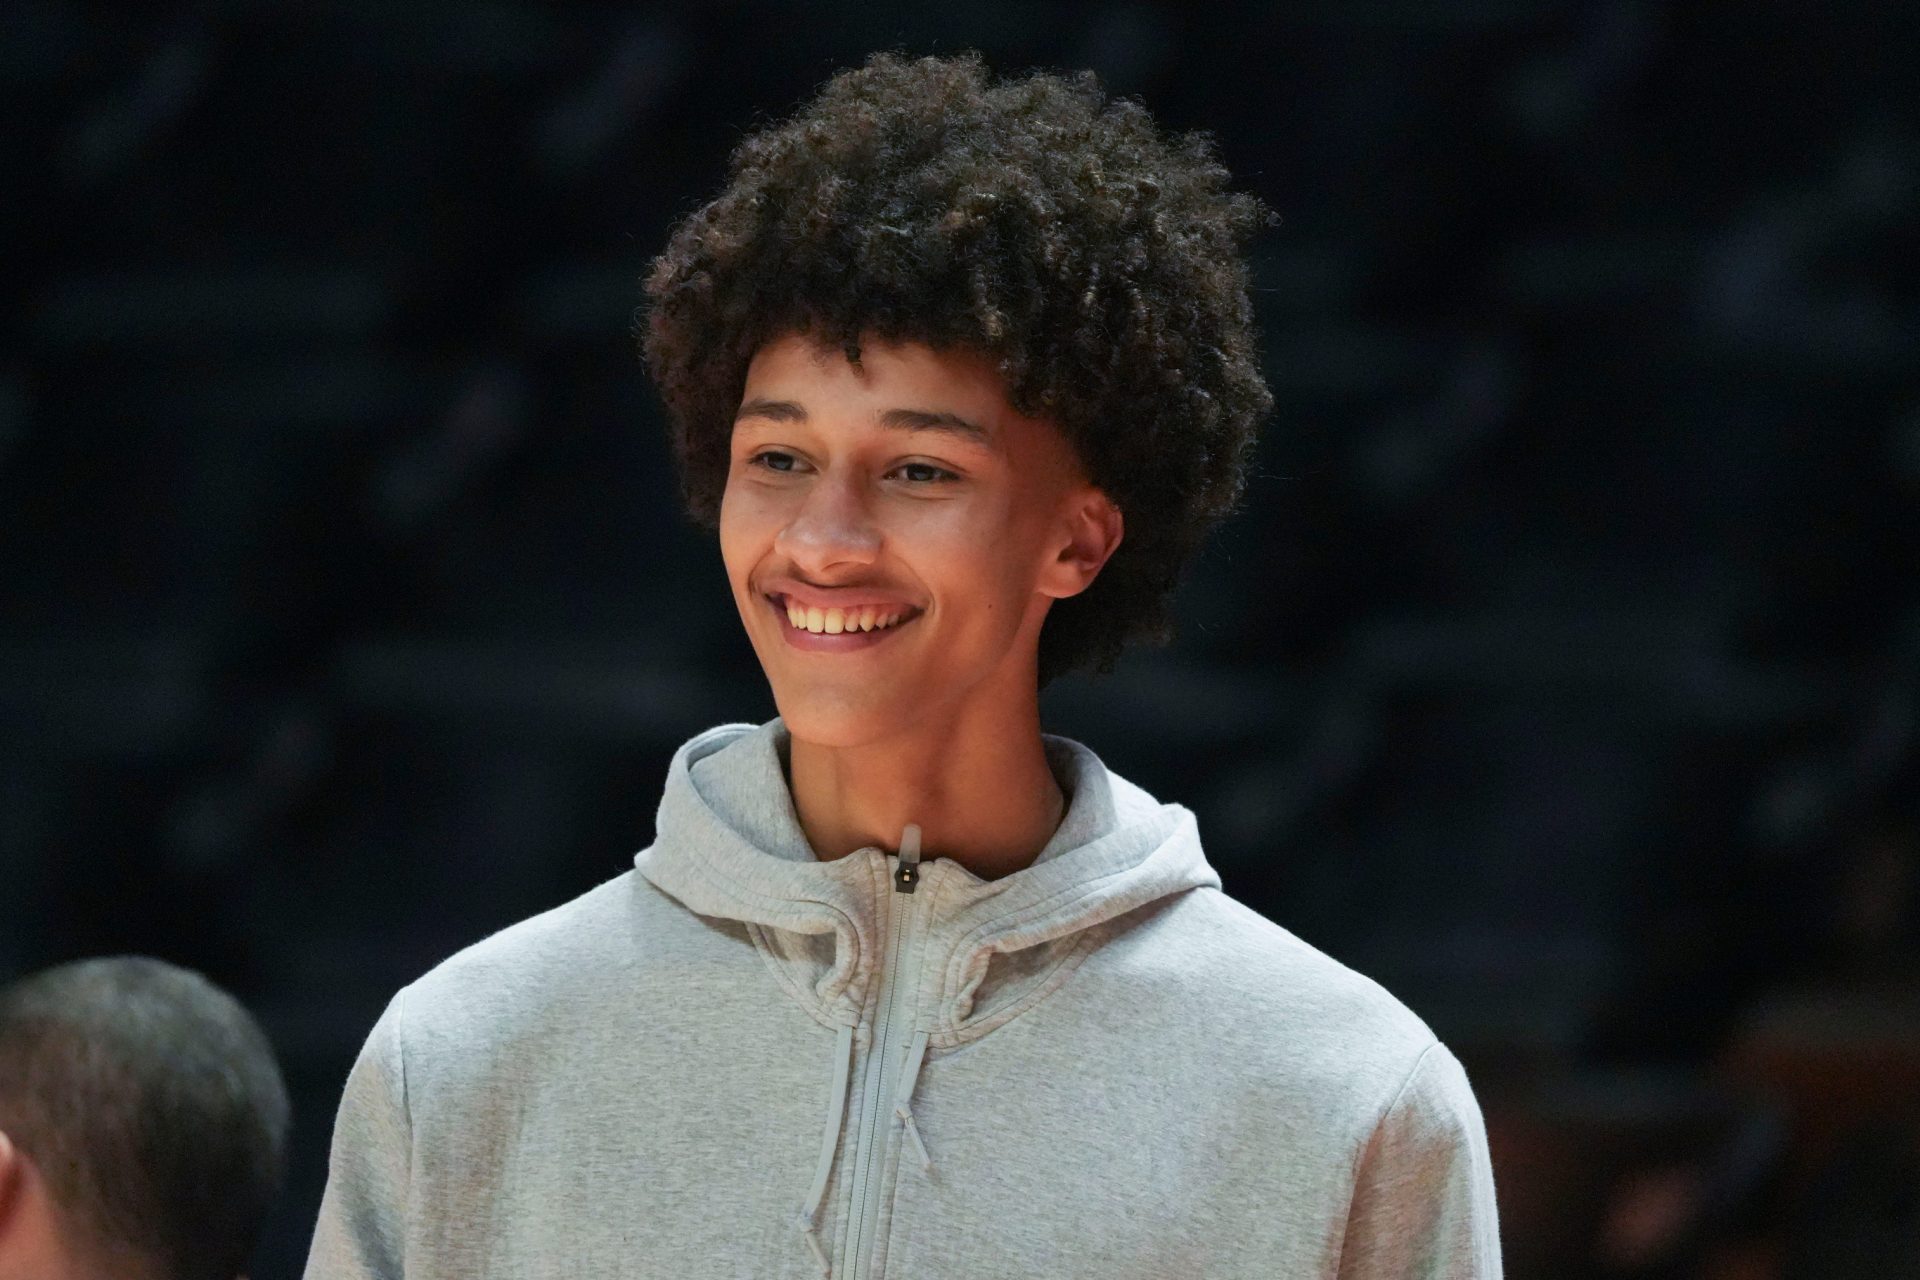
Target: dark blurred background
1560,671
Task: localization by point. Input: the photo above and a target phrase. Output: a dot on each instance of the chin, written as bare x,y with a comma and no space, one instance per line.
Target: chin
819,718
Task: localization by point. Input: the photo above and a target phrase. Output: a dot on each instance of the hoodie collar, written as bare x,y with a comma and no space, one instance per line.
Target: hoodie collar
729,845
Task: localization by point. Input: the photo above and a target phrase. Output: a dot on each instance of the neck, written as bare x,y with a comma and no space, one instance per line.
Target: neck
978,785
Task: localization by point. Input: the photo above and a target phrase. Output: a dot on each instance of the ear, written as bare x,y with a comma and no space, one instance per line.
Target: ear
1089,532
12,1174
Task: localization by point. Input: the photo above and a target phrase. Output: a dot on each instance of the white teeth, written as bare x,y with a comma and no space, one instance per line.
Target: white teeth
835,621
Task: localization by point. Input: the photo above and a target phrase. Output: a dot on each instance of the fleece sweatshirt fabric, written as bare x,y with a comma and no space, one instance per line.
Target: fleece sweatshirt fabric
739,1060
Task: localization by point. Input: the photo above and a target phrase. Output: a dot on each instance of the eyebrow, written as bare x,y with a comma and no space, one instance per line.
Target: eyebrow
895,419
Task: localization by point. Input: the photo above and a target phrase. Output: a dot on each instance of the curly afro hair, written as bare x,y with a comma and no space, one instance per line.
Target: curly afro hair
1095,259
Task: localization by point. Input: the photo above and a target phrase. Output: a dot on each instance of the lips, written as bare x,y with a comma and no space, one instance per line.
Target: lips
849,601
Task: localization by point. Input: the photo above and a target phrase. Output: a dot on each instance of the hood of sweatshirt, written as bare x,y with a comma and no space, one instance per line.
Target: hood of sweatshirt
729,845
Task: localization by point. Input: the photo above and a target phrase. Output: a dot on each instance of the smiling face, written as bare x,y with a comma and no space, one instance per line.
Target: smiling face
904,488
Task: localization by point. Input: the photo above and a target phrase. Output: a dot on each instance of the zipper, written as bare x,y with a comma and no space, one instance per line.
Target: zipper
893,1017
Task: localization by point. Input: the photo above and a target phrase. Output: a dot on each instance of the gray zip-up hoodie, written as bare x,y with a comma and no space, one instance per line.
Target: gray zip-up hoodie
743,1061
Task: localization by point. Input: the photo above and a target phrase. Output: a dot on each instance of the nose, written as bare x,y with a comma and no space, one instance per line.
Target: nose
832,528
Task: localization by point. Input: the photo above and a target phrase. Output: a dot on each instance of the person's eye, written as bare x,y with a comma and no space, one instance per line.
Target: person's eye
939,475
763,461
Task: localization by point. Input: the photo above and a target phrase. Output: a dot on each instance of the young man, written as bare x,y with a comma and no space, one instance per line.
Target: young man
143,1125
962,370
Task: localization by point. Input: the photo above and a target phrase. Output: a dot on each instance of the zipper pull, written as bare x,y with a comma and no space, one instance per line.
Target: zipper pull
907,874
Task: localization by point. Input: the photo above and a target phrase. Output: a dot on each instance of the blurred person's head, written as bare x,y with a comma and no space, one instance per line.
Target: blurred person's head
143,1125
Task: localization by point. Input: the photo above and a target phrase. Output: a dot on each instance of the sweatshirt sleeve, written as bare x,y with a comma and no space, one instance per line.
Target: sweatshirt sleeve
361,1233
1423,1206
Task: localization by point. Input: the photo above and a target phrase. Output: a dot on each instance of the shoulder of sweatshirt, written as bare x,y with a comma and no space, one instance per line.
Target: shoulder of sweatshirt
1208,970
1200,969
532,975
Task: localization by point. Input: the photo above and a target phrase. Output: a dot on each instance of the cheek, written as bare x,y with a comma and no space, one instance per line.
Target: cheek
743,536
987,561
754,509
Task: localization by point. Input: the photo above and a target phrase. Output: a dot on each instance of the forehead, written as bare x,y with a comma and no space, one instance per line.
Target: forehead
895,384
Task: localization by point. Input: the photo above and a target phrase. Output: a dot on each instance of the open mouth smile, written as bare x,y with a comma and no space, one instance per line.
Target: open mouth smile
838,630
